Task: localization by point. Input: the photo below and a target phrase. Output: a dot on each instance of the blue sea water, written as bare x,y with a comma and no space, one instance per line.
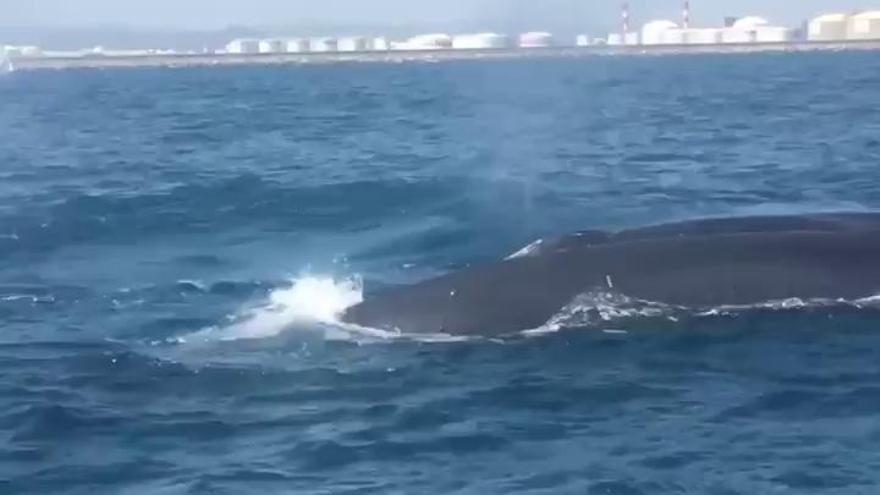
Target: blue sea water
172,242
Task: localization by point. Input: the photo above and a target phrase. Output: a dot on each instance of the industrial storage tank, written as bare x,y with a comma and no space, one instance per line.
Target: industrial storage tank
272,46
652,32
480,41
582,40
674,37
864,26
381,44
297,45
773,34
434,41
614,39
744,30
829,27
733,35
243,46
323,44
702,36
754,29
537,39
750,22
353,44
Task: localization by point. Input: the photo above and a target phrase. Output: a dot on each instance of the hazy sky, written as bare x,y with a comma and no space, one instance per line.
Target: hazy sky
211,14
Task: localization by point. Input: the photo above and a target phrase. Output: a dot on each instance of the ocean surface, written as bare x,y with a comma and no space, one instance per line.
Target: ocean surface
176,243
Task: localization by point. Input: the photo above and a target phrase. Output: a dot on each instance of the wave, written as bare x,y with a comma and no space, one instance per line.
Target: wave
308,303
317,302
598,309
601,309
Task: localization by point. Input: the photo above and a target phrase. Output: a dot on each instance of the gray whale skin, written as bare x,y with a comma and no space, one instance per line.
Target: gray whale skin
696,264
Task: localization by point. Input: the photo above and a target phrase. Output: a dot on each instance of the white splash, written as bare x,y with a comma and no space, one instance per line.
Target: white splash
309,299
598,308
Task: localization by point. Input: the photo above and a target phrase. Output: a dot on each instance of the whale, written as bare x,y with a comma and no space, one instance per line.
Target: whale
702,263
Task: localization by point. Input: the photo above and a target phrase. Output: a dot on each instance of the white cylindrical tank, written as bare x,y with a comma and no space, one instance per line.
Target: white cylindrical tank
323,45
829,27
243,46
864,26
582,40
297,45
353,44
744,30
425,42
381,44
674,37
734,35
272,46
773,34
480,41
703,36
652,32
537,39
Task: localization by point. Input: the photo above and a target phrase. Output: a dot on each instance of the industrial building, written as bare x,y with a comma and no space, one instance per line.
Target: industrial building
751,29
480,41
614,39
436,41
536,39
864,26
353,44
774,34
828,27
297,45
703,36
735,31
272,46
654,32
672,36
754,29
243,46
323,45
677,36
621,39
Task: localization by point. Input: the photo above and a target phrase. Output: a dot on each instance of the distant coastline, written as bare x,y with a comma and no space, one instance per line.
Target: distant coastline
193,60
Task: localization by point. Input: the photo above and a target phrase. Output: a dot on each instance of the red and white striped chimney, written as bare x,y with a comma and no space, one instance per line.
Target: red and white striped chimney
624,13
686,15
